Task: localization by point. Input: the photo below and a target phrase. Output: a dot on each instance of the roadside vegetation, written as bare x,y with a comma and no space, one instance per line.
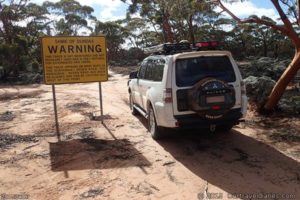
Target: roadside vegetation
264,42
118,159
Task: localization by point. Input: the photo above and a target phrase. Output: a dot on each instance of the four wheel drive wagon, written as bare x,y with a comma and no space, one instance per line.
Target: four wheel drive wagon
181,87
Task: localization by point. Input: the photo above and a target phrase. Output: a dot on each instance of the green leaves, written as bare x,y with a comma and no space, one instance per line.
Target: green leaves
72,16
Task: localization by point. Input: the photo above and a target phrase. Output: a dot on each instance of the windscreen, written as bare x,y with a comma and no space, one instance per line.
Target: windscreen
191,70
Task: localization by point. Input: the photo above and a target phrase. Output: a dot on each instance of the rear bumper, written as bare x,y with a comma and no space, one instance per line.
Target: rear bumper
232,117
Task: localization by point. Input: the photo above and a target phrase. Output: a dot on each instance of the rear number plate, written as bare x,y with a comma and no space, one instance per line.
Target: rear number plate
215,99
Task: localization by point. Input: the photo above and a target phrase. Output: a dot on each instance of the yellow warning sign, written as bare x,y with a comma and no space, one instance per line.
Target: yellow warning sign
74,59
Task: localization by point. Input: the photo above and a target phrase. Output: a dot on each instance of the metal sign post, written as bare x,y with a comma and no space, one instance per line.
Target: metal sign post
55,112
101,102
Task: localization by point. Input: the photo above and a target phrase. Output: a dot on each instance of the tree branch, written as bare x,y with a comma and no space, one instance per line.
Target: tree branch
298,11
251,20
291,33
266,23
291,8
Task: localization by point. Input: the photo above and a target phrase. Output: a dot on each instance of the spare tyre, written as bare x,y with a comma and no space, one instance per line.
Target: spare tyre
211,97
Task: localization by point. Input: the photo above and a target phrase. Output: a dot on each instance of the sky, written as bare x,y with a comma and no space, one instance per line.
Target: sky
109,10
251,7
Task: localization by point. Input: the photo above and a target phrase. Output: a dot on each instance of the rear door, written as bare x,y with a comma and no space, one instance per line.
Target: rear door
190,69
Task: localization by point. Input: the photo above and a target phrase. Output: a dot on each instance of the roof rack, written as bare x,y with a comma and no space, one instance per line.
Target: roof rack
172,48
168,48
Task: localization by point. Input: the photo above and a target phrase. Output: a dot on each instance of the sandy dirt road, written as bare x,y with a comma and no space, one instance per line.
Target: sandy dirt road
119,160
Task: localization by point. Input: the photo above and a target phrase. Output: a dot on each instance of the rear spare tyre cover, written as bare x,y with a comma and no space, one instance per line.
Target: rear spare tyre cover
211,97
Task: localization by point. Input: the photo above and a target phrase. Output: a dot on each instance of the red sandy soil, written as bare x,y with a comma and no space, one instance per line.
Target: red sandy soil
119,160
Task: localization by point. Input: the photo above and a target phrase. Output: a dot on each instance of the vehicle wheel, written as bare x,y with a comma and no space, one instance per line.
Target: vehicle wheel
225,127
133,110
155,131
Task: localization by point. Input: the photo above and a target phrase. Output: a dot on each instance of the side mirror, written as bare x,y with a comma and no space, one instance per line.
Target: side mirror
133,75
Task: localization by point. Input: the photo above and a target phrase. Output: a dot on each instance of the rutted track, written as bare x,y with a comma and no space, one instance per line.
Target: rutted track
119,160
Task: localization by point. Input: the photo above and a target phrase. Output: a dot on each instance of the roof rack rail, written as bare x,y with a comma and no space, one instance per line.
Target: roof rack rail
168,48
172,48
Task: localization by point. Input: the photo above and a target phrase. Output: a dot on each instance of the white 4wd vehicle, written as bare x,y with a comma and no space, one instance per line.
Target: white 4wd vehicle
186,88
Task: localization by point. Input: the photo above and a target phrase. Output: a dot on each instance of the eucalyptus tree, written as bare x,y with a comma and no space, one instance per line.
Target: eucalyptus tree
210,25
21,24
156,12
115,35
71,16
36,27
136,27
177,19
186,14
288,12
140,33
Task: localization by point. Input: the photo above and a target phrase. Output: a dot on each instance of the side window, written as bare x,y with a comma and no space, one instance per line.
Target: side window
149,71
142,70
158,70
152,70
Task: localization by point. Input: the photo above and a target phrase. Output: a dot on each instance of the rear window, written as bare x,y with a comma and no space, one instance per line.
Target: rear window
191,70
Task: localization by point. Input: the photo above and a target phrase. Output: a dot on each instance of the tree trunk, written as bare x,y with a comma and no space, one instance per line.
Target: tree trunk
167,27
244,52
283,82
191,29
276,50
265,48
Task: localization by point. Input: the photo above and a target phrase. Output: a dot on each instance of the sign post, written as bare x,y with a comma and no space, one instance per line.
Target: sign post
55,112
101,102
74,60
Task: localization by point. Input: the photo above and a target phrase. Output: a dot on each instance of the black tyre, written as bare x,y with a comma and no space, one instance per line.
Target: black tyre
155,131
133,110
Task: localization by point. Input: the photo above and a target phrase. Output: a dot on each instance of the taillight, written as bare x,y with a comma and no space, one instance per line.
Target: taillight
207,44
243,88
167,96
